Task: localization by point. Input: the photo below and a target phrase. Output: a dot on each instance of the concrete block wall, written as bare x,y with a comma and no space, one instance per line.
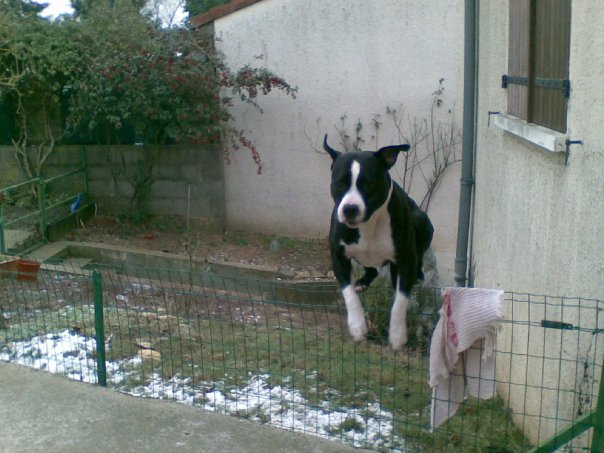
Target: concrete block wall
187,178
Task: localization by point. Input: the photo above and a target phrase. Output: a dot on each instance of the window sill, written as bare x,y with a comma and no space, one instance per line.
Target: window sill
541,136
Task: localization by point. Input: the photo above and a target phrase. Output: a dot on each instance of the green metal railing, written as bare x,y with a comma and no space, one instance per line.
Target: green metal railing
594,419
36,236
25,227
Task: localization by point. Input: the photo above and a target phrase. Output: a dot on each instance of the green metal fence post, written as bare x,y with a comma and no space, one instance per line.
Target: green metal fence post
594,419
597,443
99,327
42,205
2,245
85,169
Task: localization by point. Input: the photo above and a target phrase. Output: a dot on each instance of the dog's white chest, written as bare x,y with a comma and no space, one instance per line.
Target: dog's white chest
375,245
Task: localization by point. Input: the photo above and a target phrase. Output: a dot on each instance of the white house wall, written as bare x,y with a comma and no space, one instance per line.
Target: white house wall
539,223
352,59
539,226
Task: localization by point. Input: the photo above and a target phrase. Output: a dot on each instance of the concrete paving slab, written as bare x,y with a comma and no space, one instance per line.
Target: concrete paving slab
46,251
40,412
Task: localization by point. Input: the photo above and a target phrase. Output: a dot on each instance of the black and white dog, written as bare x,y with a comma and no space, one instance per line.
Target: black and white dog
375,222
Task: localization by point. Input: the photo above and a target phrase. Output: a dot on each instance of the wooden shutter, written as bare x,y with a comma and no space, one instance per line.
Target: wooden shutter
538,56
550,55
519,58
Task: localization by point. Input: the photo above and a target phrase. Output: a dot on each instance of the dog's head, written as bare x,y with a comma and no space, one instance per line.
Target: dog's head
360,182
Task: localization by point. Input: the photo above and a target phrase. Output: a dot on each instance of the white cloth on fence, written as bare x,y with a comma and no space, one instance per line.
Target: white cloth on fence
468,324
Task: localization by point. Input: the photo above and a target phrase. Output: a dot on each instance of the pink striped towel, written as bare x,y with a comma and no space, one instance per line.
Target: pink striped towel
468,324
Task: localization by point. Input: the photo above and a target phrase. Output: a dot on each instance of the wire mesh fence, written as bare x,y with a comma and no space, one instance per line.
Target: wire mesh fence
280,354
20,224
28,208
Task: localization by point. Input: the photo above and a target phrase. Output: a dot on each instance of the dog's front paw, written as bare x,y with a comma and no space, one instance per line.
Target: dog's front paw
398,338
358,328
356,315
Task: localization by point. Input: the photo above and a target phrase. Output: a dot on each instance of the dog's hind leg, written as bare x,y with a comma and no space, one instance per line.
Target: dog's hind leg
424,232
362,284
397,334
398,321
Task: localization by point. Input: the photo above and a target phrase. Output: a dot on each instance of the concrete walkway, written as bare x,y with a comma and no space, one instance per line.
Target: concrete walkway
40,412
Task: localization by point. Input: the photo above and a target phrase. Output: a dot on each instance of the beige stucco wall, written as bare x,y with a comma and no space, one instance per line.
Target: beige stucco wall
539,225
349,59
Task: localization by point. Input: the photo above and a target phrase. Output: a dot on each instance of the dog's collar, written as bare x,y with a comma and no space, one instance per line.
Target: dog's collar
384,205
390,192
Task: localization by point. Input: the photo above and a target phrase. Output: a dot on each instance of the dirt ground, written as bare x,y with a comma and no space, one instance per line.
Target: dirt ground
304,259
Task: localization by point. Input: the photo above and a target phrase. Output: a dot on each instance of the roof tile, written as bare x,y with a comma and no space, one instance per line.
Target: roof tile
219,11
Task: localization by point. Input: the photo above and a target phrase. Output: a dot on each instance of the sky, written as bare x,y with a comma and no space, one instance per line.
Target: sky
58,7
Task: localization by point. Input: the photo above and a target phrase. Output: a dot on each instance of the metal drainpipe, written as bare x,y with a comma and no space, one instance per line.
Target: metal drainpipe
467,160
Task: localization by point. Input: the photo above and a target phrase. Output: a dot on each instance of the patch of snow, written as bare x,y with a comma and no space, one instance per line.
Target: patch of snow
64,353
70,354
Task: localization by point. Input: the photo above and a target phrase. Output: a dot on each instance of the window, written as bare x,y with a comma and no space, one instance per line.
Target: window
537,79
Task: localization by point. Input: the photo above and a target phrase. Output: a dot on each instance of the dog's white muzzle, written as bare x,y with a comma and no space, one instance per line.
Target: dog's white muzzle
351,210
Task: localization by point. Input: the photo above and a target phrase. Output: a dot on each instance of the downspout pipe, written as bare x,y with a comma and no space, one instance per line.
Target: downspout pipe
467,159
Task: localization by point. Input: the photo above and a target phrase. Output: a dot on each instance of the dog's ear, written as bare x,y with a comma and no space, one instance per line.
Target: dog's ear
332,152
389,154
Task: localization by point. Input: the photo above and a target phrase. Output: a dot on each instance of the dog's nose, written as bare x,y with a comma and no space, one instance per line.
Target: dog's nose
351,211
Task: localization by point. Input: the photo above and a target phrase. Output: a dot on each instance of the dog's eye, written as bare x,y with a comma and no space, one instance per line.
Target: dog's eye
366,183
